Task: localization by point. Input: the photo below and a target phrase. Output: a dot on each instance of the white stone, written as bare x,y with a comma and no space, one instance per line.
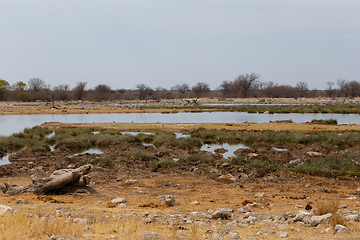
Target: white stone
352,217
314,154
316,220
167,200
284,235
223,213
234,235
4,209
122,205
260,195
118,200
340,229
195,203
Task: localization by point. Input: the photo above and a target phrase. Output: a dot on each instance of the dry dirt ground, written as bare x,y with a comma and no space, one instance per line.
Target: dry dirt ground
281,195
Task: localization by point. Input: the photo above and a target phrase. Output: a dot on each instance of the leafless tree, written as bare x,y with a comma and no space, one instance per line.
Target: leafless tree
181,89
342,87
226,88
144,91
79,90
353,89
200,89
36,84
61,92
302,88
330,90
244,83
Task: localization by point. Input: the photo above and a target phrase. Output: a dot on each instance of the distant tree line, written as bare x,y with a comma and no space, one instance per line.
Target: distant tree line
244,86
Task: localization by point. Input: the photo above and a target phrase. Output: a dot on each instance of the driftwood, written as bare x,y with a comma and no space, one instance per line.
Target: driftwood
59,180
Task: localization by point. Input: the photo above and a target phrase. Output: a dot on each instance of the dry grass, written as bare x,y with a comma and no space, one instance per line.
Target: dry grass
331,207
326,207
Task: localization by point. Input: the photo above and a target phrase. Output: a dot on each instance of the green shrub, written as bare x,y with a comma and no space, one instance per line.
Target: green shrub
324,122
141,156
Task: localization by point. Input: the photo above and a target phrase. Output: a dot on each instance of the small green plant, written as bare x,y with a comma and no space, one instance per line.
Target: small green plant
324,122
100,161
141,156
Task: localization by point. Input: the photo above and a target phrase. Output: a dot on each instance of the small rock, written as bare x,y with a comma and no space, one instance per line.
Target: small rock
352,217
358,190
234,235
224,232
5,209
260,195
327,230
150,236
131,181
342,206
227,178
167,200
340,229
298,206
314,154
316,220
195,203
351,198
122,205
223,213
216,236
118,200
21,201
284,235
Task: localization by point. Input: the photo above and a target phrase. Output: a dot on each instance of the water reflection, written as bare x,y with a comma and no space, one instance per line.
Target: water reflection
230,148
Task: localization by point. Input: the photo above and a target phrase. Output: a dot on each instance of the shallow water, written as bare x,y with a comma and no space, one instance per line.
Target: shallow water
231,148
89,151
16,123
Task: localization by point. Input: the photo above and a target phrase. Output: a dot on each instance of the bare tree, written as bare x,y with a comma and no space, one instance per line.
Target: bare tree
61,92
79,90
200,89
353,89
36,84
181,89
342,87
302,88
226,88
244,83
330,90
102,92
144,91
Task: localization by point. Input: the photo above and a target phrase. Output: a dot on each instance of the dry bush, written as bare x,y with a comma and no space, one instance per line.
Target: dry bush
326,207
337,219
331,207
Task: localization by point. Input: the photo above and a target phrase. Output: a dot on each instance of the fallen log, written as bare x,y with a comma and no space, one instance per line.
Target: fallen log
58,180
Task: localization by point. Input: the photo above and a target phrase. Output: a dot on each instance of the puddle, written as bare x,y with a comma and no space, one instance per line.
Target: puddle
176,159
51,135
5,160
136,133
150,144
182,135
52,148
280,149
97,132
89,151
230,148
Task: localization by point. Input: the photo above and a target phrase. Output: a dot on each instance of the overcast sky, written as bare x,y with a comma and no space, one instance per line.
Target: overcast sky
162,43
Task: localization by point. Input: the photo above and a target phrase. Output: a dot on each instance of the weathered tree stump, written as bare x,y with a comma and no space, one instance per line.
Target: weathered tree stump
63,179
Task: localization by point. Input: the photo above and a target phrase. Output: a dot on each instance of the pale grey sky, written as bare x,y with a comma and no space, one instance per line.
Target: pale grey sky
162,43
